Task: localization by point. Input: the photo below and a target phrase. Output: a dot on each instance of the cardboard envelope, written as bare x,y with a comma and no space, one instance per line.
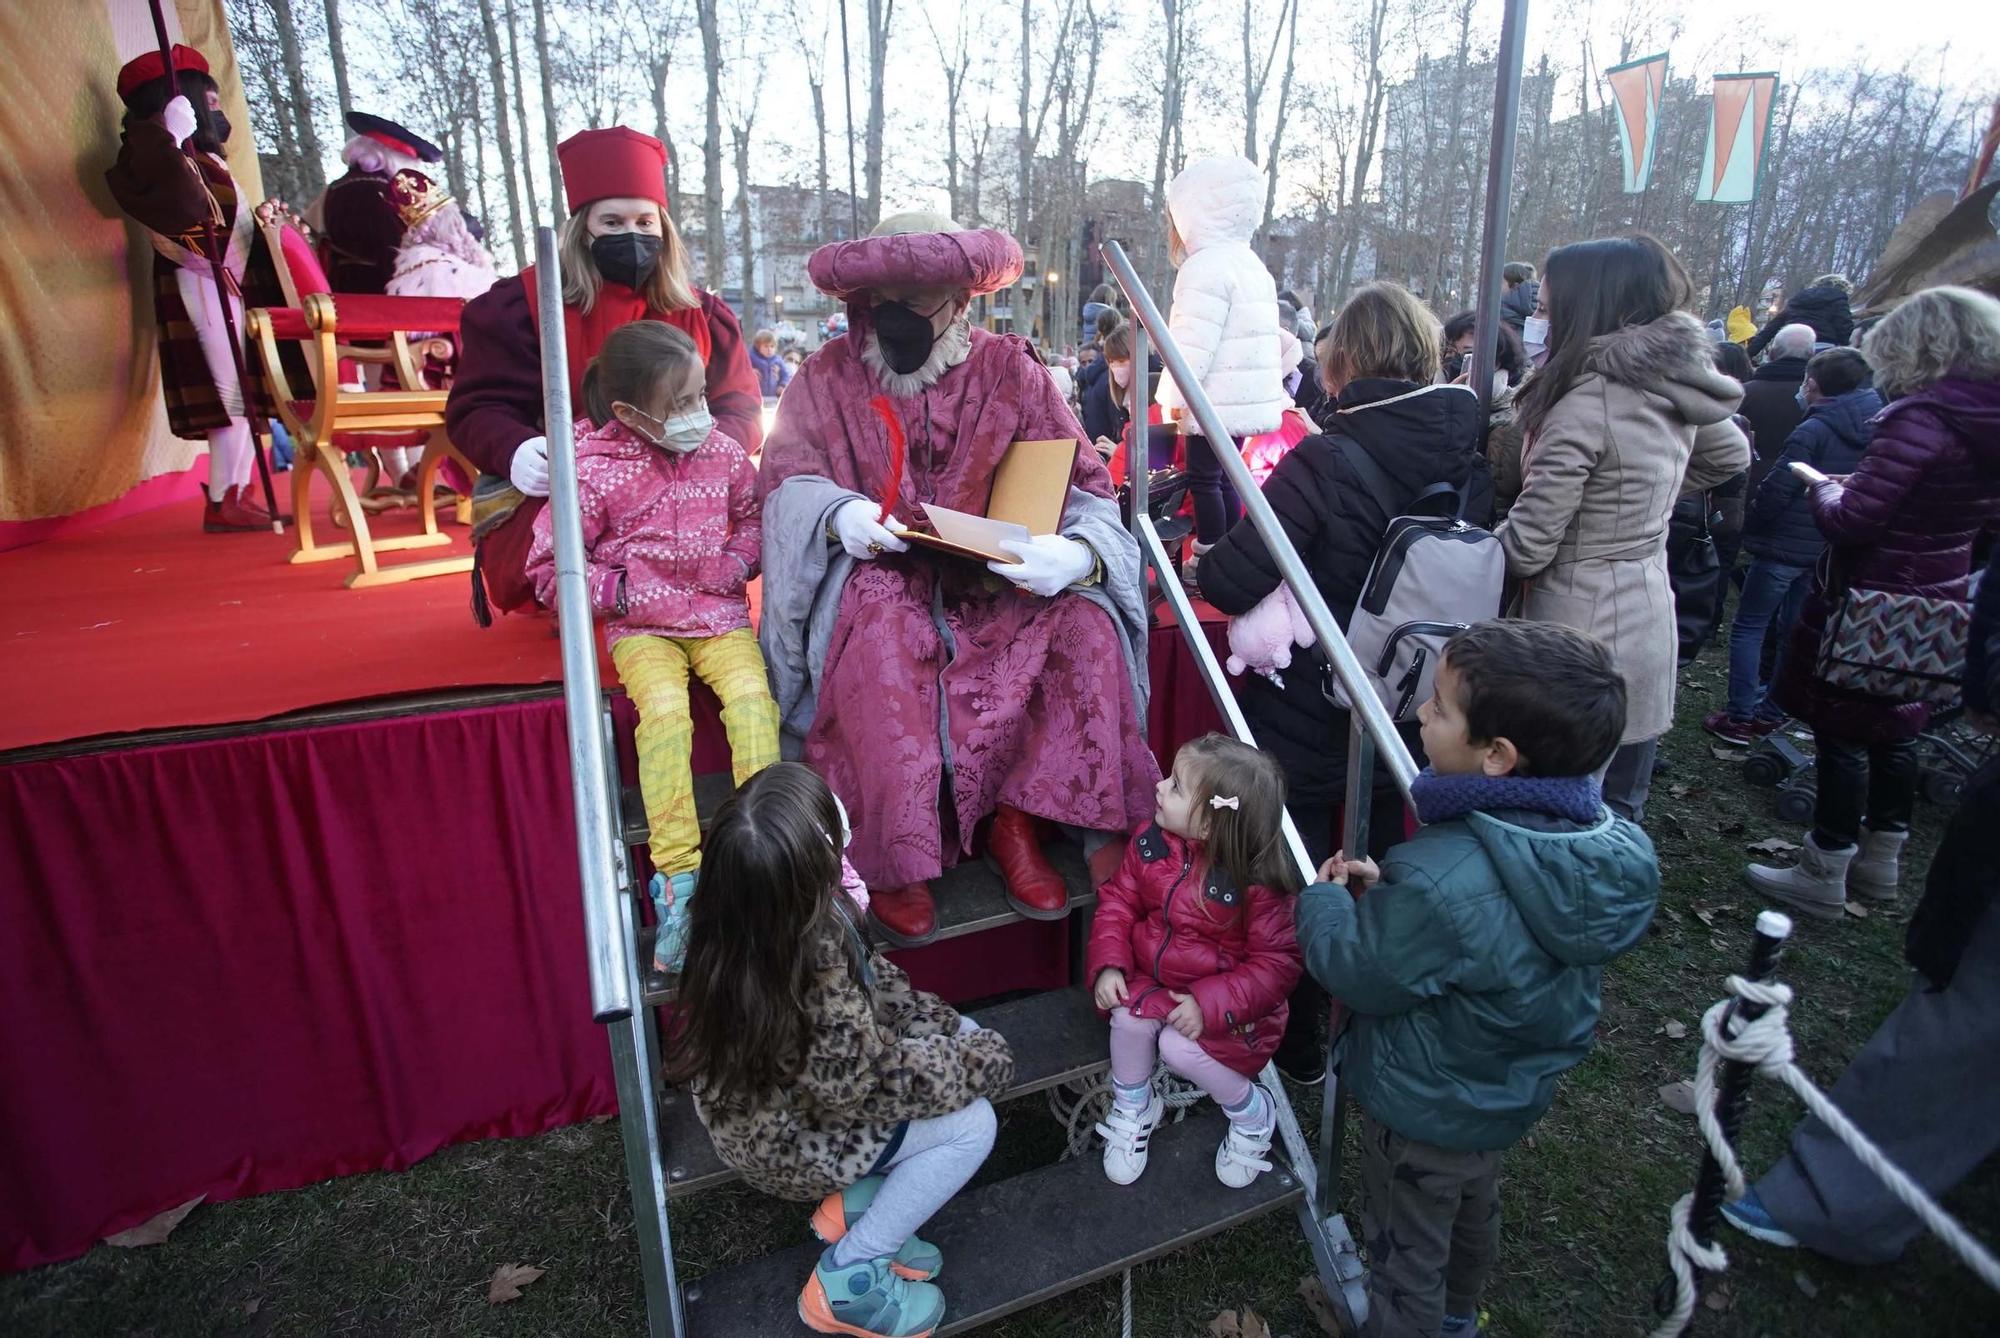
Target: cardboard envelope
1029,489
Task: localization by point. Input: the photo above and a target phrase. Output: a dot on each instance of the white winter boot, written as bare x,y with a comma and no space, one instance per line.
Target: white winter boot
1877,867
1817,884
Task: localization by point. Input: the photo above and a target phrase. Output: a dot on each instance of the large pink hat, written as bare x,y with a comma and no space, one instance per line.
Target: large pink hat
917,251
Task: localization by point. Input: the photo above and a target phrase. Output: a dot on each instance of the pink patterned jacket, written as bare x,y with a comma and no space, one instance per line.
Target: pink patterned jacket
677,536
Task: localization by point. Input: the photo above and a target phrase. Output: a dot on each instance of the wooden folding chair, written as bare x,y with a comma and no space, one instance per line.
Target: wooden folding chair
331,421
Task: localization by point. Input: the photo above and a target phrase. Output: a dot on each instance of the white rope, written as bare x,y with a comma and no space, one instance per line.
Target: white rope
1766,1044
1126,1329
1079,1106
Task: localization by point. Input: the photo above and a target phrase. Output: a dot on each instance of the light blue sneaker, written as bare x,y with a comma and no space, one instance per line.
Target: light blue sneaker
868,1300
917,1261
1749,1215
671,909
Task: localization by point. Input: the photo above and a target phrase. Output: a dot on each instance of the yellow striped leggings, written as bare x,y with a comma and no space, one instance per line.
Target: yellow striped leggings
654,671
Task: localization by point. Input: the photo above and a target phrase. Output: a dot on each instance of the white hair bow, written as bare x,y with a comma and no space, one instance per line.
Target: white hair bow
1225,801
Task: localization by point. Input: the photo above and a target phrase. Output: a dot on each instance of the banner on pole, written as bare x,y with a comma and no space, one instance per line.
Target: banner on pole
1739,132
1637,89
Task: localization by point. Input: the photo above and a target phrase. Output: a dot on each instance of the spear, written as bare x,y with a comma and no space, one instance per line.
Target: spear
216,264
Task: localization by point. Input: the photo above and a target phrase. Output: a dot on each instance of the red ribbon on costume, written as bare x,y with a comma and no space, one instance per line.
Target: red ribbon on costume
898,448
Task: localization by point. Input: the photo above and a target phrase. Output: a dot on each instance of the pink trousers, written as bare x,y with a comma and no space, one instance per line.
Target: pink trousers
1136,1042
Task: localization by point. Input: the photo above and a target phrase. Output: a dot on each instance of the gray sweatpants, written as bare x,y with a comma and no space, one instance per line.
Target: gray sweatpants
1430,1218
1924,1090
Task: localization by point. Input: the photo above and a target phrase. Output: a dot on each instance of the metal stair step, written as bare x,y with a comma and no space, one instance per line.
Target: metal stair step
1056,1036
970,898
709,792
1024,1240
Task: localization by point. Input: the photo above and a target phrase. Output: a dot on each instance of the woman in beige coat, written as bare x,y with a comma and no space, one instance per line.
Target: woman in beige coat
1628,414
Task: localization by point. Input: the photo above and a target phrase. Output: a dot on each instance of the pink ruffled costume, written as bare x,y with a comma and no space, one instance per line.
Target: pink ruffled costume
926,690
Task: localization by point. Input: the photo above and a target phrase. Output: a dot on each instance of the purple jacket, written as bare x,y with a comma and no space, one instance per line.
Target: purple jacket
1905,521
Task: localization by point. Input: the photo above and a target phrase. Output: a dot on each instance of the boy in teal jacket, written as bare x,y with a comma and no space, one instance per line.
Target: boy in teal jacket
1472,967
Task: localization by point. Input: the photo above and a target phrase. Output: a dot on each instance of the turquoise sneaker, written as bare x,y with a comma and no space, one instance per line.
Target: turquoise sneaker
671,909
917,1261
869,1301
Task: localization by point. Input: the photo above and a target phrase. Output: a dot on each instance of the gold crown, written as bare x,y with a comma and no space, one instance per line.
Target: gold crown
417,197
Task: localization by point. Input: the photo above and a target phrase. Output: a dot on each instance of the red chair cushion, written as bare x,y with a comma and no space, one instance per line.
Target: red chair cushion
307,275
371,316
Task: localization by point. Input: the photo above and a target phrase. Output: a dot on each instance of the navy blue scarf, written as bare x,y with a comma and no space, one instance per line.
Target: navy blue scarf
1442,798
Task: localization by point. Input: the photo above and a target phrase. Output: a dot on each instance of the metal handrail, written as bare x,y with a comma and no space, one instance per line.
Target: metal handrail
1369,714
609,950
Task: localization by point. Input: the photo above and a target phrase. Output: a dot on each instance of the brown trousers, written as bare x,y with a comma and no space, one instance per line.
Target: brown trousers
1431,1220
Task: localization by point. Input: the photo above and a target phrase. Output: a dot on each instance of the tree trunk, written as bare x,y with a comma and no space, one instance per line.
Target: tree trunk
880,14
300,95
498,71
819,126
1023,159
478,120
520,108
1278,127
1364,154
1170,103
549,130
747,239
711,146
338,50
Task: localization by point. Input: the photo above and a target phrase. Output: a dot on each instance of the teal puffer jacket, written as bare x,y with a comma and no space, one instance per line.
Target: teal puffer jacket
1473,967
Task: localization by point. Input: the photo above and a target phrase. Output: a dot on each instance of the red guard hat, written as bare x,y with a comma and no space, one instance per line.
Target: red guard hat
601,164
142,70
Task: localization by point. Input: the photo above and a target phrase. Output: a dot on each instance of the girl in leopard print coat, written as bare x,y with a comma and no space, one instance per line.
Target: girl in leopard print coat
820,1072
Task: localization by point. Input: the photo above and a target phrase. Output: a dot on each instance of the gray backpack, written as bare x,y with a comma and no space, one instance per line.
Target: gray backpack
1434,575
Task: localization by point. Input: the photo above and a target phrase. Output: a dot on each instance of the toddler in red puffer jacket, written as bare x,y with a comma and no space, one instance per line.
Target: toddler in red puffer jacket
1192,954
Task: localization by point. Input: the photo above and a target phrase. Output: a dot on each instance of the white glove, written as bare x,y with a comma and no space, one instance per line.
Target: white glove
864,537
1049,564
178,117
530,470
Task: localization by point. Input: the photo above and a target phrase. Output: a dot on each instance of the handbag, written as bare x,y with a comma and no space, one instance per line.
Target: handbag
1694,572
1900,647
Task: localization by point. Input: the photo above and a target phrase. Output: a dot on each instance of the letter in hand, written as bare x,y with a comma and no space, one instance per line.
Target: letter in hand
1111,991
1186,1017
1356,875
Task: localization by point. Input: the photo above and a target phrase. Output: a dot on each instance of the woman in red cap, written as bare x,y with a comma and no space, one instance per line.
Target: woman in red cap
622,261
171,195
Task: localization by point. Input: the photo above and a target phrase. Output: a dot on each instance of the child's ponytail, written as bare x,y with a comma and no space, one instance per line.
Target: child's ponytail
595,402
1241,794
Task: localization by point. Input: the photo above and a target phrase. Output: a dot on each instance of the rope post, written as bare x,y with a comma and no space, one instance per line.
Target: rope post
1733,1095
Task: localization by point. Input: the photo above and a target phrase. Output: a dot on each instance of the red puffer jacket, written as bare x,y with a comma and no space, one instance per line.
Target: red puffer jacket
1171,925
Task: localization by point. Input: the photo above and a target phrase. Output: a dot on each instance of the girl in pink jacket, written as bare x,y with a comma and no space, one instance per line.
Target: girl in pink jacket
671,536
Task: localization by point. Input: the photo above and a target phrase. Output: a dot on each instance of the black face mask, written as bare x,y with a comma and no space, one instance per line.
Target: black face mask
626,257
1454,364
905,335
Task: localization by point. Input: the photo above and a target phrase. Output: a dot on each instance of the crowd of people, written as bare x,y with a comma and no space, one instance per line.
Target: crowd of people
938,708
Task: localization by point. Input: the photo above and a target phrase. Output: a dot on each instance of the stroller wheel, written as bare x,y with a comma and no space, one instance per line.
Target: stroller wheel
1795,801
1763,768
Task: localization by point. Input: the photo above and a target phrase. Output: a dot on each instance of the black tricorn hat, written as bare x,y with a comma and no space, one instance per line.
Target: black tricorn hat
400,138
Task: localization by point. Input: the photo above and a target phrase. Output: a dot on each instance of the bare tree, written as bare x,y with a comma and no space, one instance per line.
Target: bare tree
337,49
812,55
1288,17
1375,92
653,32
313,175
711,145
520,106
549,122
498,72
956,62
881,13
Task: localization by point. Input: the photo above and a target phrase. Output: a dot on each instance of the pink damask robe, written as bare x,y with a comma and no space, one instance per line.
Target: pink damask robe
927,690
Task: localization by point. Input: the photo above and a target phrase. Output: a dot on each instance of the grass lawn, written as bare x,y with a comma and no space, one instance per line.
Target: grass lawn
1585,1198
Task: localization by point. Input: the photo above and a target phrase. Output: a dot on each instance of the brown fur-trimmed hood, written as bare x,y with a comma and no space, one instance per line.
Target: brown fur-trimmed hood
1673,357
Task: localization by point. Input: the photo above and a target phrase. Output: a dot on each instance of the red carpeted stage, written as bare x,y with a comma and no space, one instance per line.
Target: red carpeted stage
288,884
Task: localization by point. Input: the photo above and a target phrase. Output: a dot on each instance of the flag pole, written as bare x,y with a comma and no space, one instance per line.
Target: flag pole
217,263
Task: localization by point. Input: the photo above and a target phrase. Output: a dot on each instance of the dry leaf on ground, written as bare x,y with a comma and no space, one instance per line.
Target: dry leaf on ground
1806,1285
1717,751
1679,1097
154,1230
1675,1031
1705,915
1249,1324
508,1279
1772,845
1857,910
1314,1296
1718,1298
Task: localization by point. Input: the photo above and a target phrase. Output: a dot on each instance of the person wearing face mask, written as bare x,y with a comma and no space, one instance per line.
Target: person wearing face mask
622,261
671,538
935,693
170,194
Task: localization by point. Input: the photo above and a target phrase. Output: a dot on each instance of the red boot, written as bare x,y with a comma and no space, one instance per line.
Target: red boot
234,514
1034,888
904,915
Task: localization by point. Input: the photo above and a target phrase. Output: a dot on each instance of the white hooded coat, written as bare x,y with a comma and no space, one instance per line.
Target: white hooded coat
1225,313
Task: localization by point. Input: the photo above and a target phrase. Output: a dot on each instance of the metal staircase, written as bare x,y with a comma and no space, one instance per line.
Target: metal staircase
1011,1243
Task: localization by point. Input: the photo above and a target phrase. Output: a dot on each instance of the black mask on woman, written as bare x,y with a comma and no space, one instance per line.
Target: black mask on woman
626,257
905,335
1454,364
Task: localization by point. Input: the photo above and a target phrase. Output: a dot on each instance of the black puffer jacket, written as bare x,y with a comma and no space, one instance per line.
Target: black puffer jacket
1770,402
1417,435
1824,308
1518,305
1779,524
